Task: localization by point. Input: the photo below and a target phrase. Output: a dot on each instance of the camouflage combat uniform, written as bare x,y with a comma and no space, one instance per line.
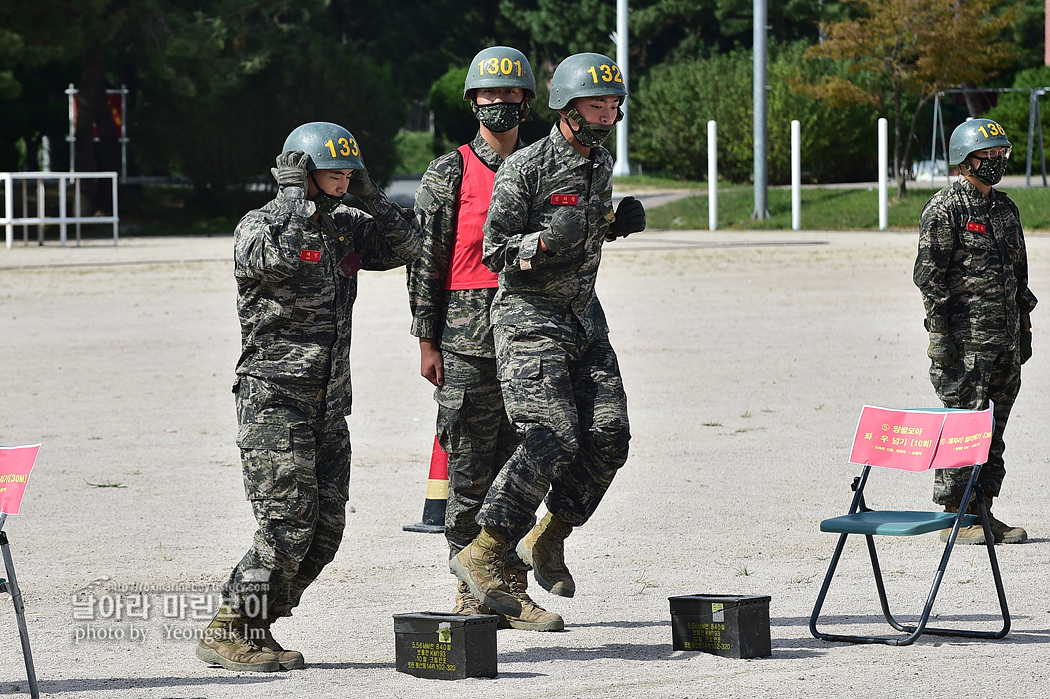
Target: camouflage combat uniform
472,425
561,381
972,270
296,289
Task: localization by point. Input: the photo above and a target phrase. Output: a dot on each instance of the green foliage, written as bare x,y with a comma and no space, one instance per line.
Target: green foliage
415,150
1012,112
454,122
672,106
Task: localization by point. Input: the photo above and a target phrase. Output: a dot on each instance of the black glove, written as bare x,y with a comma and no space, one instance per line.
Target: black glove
630,217
1026,345
290,173
362,186
566,228
942,350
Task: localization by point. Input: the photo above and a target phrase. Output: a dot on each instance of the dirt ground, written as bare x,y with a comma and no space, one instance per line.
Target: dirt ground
746,358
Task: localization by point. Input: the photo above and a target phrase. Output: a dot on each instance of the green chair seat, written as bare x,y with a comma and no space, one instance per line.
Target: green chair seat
893,522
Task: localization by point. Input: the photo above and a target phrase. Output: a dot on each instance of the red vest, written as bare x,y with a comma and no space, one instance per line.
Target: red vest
465,270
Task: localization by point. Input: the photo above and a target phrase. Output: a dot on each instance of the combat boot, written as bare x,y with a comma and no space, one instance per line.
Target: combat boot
973,534
1004,533
289,659
543,548
480,566
533,617
227,641
467,603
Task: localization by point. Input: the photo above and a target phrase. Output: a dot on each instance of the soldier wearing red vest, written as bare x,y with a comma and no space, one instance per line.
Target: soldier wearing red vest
450,292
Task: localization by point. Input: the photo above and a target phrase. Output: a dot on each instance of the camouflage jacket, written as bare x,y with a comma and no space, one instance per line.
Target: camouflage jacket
459,318
972,267
539,289
296,288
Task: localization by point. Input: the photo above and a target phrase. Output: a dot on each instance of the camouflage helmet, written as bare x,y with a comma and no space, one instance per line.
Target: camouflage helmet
973,135
586,75
330,146
500,66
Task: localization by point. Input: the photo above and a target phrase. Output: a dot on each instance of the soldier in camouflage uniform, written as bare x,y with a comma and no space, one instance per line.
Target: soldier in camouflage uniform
296,262
972,270
450,293
551,212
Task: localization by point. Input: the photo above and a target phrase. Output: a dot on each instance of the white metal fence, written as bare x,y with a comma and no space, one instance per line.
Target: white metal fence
63,220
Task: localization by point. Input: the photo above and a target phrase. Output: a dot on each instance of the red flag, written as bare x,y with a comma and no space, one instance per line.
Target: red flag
114,111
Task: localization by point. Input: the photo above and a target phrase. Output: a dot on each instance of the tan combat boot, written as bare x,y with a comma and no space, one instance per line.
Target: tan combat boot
467,603
543,548
973,534
480,566
289,659
533,617
1004,533
227,642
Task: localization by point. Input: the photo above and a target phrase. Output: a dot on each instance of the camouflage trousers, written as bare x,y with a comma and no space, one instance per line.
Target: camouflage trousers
978,377
296,466
566,400
475,432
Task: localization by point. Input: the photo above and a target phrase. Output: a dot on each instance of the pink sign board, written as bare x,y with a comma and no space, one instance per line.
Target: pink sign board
917,440
16,463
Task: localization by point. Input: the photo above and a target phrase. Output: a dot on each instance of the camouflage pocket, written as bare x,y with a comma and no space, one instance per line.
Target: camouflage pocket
453,435
525,394
267,461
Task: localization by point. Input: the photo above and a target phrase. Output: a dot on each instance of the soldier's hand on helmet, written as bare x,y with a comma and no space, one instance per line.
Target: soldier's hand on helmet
1026,345
566,228
630,218
942,350
291,172
362,186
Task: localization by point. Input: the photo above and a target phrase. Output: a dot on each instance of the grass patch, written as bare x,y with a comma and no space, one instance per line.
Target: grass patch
827,209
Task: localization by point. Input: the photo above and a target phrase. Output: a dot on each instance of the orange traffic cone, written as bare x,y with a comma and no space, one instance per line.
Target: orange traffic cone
437,494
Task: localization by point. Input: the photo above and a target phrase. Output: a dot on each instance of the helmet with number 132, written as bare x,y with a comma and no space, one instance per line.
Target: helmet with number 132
587,75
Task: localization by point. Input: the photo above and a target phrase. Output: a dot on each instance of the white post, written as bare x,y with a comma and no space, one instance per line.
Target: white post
116,216
622,166
712,176
796,175
9,208
883,167
62,209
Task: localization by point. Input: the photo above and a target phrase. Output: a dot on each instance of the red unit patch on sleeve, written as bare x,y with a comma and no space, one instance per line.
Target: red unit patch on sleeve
564,199
976,227
310,256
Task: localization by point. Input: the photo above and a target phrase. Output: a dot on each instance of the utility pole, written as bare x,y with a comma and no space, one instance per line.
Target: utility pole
622,166
759,97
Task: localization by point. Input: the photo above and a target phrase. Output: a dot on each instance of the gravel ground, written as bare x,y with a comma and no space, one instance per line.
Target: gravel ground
746,357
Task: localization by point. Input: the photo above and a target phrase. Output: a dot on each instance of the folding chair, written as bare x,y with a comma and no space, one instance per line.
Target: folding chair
914,440
16,463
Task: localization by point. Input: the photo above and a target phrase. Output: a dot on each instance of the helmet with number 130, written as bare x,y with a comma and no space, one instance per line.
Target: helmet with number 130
587,75
979,135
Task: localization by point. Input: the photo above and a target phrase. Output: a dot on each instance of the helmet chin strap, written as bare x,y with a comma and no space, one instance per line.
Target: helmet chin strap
324,201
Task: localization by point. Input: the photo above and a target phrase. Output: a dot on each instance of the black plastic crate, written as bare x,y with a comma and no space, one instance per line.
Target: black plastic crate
728,625
445,646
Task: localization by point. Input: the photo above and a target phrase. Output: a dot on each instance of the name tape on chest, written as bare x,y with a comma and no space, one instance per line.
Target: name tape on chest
310,256
564,199
976,227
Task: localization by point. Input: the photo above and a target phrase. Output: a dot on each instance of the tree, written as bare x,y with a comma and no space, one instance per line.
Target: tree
916,48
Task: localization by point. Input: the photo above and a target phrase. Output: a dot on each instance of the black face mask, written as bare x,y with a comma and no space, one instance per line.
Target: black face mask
501,116
990,171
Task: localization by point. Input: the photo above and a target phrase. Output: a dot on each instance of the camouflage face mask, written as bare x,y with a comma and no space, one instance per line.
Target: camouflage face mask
326,203
592,135
501,116
991,170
